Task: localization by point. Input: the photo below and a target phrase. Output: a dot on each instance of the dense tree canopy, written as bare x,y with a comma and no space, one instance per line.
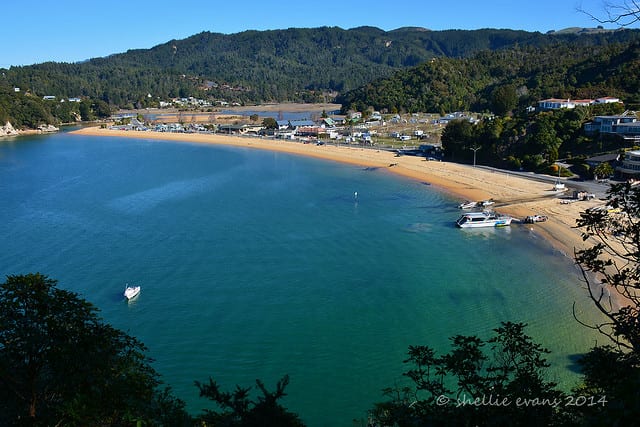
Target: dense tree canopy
61,365
314,64
532,141
498,81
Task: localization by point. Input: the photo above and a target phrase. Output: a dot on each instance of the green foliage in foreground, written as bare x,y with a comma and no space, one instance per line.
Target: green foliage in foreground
61,365
500,381
237,409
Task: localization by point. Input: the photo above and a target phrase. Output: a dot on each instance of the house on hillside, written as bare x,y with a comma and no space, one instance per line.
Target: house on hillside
625,125
556,104
630,167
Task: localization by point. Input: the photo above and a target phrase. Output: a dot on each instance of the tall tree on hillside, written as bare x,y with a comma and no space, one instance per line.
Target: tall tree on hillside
503,100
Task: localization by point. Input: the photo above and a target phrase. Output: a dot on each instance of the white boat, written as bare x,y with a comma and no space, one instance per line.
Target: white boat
131,292
531,219
559,186
483,219
468,204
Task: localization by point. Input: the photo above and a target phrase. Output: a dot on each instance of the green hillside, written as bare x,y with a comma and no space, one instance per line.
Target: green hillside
479,82
279,65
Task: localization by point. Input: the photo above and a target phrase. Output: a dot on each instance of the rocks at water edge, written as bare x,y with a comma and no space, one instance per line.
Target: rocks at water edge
8,130
48,128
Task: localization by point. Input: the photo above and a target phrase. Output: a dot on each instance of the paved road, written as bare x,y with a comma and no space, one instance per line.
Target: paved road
597,188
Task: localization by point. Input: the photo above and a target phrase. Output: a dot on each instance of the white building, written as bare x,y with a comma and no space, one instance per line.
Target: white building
630,164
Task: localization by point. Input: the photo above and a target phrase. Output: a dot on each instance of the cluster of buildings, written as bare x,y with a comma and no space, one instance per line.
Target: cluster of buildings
624,125
555,103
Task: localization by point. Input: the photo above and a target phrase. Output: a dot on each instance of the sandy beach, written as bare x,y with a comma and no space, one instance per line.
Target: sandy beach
514,195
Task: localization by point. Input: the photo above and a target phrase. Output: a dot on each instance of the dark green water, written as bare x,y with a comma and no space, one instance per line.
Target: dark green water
258,264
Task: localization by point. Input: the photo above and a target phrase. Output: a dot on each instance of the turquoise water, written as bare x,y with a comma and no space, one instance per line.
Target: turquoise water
257,264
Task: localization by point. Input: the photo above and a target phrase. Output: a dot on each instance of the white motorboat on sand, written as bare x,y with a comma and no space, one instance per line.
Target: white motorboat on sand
468,204
531,219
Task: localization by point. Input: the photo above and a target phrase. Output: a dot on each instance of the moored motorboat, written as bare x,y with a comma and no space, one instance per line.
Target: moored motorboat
131,292
483,219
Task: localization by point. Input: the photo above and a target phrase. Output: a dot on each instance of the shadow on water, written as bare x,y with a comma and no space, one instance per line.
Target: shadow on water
573,364
461,296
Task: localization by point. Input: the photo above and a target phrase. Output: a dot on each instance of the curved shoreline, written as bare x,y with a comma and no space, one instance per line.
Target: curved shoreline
514,195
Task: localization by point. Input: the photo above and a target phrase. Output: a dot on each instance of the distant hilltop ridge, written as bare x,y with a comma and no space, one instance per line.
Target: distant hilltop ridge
291,65
582,30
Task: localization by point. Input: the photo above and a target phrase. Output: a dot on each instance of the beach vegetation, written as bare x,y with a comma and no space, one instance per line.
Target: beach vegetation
536,140
603,170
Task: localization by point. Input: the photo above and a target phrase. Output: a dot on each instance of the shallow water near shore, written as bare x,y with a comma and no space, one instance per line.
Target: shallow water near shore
257,264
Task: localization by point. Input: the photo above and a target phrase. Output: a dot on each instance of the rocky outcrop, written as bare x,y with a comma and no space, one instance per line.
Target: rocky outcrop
48,128
8,130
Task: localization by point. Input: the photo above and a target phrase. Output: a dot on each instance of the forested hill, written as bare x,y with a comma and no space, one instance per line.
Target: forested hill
293,64
497,80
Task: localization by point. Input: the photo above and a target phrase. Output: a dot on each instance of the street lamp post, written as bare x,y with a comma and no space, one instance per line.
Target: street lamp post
474,154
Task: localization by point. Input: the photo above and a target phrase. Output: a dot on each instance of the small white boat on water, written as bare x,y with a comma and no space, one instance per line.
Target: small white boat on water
131,292
483,219
559,186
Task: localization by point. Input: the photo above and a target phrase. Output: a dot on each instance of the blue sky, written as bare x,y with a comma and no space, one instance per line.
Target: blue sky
72,30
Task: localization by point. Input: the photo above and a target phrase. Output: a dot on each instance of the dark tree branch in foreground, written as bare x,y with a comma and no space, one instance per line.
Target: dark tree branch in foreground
612,264
623,14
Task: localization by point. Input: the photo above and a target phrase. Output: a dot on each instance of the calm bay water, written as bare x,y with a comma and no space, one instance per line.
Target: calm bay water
258,264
